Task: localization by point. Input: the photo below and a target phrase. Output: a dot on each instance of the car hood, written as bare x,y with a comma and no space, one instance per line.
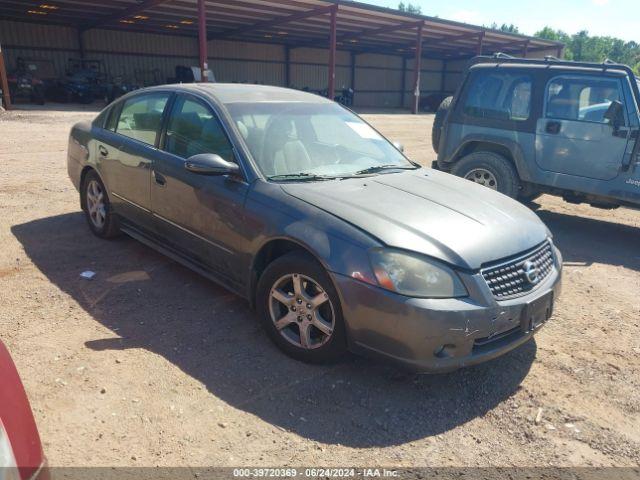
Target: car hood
429,212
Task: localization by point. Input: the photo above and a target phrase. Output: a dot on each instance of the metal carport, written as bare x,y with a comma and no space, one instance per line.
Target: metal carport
338,25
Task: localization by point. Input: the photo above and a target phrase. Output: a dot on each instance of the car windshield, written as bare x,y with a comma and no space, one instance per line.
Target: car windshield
312,141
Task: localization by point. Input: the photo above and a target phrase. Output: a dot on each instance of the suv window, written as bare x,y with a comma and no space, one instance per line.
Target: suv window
194,129
499,95
141,117
581,99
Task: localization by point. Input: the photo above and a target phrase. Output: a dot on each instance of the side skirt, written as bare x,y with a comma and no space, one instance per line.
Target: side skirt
183,260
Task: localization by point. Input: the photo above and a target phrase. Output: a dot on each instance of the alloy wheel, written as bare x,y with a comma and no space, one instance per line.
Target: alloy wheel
301,311
483,177
96,204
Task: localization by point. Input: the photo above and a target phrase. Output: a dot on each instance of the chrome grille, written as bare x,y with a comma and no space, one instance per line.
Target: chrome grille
509,279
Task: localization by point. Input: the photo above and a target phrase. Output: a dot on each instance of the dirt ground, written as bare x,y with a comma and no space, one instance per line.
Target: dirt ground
150,364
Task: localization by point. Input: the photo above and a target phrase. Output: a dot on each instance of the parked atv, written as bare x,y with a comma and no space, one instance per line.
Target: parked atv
24,83
528,127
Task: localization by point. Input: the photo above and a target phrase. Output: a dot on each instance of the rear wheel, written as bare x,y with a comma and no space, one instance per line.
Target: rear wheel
97,208
300,309
490,170
438,122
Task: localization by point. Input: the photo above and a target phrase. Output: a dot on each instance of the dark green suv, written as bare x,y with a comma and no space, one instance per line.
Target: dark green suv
527,127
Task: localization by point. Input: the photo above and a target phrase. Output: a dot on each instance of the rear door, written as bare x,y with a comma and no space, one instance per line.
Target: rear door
125,152
193,213
572,136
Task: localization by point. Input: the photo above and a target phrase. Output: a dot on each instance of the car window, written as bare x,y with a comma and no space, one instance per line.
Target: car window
141,117
499,95
330,130
193,129
112,119
581,99
102,118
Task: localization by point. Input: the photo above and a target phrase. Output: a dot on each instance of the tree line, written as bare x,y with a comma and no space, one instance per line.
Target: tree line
579,47
587,48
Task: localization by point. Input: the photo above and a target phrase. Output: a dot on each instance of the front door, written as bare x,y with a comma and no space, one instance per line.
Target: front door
573,137
194,213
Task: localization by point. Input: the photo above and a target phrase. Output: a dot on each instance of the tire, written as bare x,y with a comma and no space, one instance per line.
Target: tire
495,171
528,194
92,186
295,315
438,122
38,96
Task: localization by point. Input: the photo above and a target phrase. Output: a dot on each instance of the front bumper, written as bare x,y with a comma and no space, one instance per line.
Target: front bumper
438,335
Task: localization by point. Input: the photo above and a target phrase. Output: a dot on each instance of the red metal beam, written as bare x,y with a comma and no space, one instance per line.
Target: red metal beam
332,53
127,12
371,32
202,40
4,82
451,38
416,70
480,42
275,21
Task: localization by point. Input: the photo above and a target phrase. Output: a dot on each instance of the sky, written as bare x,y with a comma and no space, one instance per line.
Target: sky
616,18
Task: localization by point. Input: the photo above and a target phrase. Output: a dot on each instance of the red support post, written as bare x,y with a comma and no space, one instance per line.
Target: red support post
480,42
332,54
417,66
525,50
4,82
202,40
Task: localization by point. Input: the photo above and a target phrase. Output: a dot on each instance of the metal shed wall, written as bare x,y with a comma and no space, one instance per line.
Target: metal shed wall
150,58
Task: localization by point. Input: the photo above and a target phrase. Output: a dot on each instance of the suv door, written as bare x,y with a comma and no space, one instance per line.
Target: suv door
200,215
572,136
125,151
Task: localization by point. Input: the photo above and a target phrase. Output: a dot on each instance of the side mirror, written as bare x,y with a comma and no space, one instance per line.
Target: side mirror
614,114
210,164
398,146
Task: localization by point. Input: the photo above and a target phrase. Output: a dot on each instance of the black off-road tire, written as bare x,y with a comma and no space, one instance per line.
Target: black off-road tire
438,122
506,176
301,263
110,228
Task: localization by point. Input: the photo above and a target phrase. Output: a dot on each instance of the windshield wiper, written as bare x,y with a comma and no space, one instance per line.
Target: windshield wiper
379,168
301,176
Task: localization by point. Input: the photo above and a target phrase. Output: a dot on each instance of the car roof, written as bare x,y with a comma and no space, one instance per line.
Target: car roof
551,63
227,93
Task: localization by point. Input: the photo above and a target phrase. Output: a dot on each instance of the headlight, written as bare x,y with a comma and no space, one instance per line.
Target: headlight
414,275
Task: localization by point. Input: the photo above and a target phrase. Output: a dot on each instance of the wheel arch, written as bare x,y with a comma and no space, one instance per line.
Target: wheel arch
507,148
272,249
83,174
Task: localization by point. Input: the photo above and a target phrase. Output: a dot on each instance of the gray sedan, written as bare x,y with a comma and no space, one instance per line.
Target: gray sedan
335,237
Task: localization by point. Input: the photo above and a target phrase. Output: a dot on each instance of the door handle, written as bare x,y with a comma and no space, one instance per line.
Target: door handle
621,132
553,128
103,151
159,179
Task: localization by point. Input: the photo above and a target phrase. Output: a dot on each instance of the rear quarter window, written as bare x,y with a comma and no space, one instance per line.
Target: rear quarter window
499,96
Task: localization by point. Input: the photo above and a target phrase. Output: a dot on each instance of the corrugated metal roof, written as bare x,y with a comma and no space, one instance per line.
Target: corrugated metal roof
360,27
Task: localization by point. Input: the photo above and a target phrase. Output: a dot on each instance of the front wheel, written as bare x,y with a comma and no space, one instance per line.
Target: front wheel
490,170
300,309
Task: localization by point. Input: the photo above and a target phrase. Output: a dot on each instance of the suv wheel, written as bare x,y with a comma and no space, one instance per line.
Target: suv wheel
300,309
97,208
438,122
491,170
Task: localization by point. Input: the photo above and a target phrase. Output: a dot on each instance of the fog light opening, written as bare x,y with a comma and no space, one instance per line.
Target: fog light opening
444,351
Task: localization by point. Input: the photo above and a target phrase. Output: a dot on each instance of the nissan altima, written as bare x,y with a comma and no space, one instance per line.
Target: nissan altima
336,239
